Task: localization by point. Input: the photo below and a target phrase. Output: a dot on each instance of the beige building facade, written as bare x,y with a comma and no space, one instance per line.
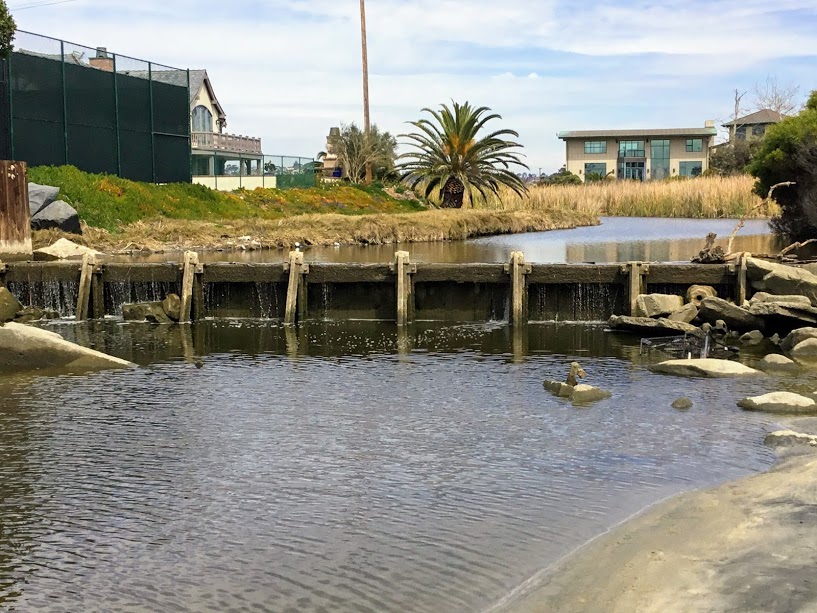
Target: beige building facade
640,155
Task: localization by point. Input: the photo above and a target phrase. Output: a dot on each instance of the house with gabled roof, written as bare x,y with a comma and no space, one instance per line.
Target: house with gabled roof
753,125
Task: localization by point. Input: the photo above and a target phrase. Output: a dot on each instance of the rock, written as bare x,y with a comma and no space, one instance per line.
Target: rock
40,196
786,316
656,305
685,314
649,326
28,348
775,339
30,313
796,337
696,293
588,393
682,404
774,362
63,249
793,299
789,438
781,279
145,311
60,215
704,367
736,318
780,402
9,305
755,337
806,349
172,306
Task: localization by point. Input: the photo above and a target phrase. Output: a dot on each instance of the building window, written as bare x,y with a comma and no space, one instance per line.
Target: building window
595,146
631,149
659,159
202,119
595,171
691,169
759,130
631,170
740,133
695,145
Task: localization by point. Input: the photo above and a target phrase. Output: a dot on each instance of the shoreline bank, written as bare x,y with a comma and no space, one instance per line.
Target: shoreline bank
163,235
746,545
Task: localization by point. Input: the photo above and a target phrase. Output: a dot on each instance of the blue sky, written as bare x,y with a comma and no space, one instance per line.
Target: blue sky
287,70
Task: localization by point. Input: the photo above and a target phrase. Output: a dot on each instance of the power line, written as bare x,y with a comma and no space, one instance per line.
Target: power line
36,5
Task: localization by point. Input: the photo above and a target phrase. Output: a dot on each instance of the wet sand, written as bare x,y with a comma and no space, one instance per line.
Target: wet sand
750,545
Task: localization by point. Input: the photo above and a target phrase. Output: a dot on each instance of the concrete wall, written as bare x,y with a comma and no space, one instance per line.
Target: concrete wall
228,184
576,157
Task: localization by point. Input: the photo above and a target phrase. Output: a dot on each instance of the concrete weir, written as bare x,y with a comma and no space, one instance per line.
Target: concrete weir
400,291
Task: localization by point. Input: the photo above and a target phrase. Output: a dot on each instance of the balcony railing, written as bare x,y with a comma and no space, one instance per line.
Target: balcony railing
229,143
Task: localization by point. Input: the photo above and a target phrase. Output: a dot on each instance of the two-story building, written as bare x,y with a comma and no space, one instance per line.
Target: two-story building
640,155
754,125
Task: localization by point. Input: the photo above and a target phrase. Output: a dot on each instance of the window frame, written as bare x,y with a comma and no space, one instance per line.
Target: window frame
681,164
590,147
205,115
634,152
692,143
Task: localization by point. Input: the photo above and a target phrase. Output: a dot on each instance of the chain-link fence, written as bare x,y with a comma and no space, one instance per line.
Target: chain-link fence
62,103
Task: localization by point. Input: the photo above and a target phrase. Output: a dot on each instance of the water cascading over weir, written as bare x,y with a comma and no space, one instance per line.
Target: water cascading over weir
398,291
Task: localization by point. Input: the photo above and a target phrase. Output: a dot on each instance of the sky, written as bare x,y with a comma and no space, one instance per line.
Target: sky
288,70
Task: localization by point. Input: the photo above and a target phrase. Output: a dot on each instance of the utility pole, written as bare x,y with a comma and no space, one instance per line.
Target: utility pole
367,128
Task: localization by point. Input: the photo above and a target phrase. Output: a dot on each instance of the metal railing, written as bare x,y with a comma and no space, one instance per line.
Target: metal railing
230,143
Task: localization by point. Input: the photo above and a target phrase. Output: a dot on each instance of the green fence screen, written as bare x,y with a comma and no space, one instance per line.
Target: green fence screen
62,103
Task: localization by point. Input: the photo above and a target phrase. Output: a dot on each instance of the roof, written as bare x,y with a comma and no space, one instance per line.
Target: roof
636,133
179,77
762,116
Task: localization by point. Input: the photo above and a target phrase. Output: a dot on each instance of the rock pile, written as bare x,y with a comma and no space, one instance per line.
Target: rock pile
48,212
166,311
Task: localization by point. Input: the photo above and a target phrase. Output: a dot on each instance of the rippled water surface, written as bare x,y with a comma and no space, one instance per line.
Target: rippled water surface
338,467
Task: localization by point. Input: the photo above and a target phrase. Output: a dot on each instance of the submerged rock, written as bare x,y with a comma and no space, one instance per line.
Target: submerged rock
789,438
656,305
172,306
588,393
704,367
774,362
32,313
63,249
780,402
28,348
649,326
755,337
145,311
806,349
682,404
9,305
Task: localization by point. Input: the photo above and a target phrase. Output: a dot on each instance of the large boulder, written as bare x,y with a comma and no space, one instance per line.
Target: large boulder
781,279
784,317
9,305
648,326
795,337
774,362
172,306
656,305
63,249
704,367
788,300
805,350
40,196
59,215
685,314
587,393
27,348
787,403
736,318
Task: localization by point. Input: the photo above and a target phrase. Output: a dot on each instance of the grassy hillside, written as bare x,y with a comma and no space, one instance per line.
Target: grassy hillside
105,201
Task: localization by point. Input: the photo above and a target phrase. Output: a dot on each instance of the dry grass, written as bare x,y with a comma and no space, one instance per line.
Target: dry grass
326,229
704,197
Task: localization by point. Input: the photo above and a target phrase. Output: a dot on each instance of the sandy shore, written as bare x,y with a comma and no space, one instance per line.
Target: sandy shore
750,545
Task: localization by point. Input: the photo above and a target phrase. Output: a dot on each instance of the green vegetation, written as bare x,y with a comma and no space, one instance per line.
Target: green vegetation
7,29
451,161
354,151
731,159
563,177
108,202
789,153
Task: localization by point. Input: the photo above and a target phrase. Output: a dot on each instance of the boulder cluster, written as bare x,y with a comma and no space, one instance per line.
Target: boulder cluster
166,311
47,211
12,310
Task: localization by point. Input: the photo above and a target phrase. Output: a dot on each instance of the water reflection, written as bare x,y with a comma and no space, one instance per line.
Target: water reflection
338,466
617,239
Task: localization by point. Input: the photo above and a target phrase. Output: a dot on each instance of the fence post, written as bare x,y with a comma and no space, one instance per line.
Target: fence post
116,115
296,263
15,224
518,271
152,126
85,282
191,261
64,102
405,292
7,63
635,283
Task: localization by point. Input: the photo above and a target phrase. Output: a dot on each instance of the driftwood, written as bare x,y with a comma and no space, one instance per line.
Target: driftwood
711,253
762,203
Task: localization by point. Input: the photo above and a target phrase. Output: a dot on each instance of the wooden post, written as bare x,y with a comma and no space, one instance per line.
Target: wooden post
405,293
191,262
296,262
742,285
97,307
303,292
85,281
519,294
636,272
198,294
15,221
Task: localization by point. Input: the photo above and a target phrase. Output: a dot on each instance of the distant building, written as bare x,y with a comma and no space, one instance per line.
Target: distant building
754,125
640,155
331,165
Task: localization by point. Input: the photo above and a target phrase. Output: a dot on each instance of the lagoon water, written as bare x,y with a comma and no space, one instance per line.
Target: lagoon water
343,466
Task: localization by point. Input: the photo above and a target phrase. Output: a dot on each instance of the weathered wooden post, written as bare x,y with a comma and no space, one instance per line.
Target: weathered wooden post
191,262
405,293
519,289
635,272
198,293
15,221
296,264
86,276
97,308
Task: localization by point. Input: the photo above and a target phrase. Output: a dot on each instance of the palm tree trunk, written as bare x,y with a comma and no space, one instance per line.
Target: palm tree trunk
453,193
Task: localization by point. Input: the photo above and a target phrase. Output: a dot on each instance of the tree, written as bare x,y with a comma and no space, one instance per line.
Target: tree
7,29
452,158
788,152
781,98
562,177
355,151
729,159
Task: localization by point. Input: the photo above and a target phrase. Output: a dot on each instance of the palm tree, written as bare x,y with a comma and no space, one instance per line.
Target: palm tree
452,159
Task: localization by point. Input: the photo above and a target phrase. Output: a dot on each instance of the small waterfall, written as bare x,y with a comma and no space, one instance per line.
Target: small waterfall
579,302
327,300
58,296
123,292
268,302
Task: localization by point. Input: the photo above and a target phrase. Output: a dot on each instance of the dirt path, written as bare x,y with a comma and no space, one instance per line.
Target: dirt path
745,546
